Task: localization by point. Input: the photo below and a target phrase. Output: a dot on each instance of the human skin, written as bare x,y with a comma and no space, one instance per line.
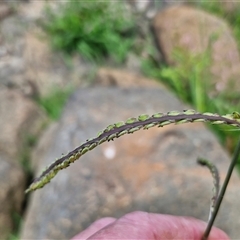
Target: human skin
143,225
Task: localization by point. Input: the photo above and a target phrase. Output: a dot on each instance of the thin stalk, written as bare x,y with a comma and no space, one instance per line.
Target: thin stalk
222,192
216,183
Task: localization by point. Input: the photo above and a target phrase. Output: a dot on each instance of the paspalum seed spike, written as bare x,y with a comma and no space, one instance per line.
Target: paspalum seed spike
131,125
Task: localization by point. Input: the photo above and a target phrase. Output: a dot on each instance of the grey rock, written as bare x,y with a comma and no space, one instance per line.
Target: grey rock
9,69
152,170
149,8
28,62
42,63
13,27
20,118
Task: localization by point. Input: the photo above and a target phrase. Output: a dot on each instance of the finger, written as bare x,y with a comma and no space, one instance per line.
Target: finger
94,227
142,225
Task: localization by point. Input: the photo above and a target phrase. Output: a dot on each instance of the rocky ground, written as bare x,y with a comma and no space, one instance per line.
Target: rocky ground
152,170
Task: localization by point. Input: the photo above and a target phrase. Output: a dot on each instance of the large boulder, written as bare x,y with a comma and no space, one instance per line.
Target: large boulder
152,170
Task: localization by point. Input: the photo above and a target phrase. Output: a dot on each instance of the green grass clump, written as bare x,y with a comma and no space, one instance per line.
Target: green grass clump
187,78
94,29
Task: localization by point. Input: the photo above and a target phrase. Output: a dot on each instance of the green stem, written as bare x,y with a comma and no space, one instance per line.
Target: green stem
222,192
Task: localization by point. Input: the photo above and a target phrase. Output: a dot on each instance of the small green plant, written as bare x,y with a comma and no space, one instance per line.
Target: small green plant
54,102
190,80
29,141
17,219
94,29
13,236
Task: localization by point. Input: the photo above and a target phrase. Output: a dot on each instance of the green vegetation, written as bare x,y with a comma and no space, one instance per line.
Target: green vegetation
29,141
17,219
190,79
53,103
231,100
91,29
14,236
185,78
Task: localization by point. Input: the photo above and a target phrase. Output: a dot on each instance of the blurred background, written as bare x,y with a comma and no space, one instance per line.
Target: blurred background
70,68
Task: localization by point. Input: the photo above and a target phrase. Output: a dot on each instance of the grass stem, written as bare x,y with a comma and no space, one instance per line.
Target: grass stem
222,191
